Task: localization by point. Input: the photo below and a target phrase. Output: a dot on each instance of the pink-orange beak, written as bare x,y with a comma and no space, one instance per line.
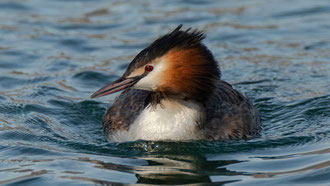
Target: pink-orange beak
118,85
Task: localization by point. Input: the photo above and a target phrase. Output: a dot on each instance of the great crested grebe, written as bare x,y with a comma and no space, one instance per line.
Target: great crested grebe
173,91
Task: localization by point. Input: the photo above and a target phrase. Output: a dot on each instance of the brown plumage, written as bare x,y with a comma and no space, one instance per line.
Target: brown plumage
182,71
188,73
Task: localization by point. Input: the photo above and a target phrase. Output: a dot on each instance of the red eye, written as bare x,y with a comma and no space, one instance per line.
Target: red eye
148,68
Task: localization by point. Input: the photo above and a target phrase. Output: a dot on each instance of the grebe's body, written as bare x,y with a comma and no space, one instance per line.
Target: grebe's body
174,91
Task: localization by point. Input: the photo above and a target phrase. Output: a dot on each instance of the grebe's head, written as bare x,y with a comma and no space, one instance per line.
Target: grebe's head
176,64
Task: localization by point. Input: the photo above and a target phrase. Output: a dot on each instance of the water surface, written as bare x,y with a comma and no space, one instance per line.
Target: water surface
54,54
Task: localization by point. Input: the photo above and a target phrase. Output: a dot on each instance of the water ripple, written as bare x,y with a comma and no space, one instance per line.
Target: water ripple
55,54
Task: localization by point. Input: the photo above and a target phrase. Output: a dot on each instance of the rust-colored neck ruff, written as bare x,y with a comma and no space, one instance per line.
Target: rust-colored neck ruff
192,73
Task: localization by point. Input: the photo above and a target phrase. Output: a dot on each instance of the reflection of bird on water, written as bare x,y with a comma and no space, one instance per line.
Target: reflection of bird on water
184,169
169,169
173,91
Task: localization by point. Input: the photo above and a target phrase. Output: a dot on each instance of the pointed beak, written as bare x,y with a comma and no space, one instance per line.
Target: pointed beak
118,85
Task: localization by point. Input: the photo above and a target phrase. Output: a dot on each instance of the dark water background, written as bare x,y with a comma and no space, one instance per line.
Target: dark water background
55,53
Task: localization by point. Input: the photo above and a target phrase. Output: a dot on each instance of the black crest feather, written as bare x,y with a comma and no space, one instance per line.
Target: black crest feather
181,39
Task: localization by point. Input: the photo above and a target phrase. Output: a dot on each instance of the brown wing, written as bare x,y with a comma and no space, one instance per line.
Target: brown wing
126,107
230,115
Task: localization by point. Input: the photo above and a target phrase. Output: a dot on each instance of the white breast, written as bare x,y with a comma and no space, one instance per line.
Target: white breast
170,120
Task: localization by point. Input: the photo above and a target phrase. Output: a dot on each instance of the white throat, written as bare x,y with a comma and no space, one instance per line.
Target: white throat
170,120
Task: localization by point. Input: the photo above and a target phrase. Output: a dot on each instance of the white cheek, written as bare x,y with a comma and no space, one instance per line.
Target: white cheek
153,80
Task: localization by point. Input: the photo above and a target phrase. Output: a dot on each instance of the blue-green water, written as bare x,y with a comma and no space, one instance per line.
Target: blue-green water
55,53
